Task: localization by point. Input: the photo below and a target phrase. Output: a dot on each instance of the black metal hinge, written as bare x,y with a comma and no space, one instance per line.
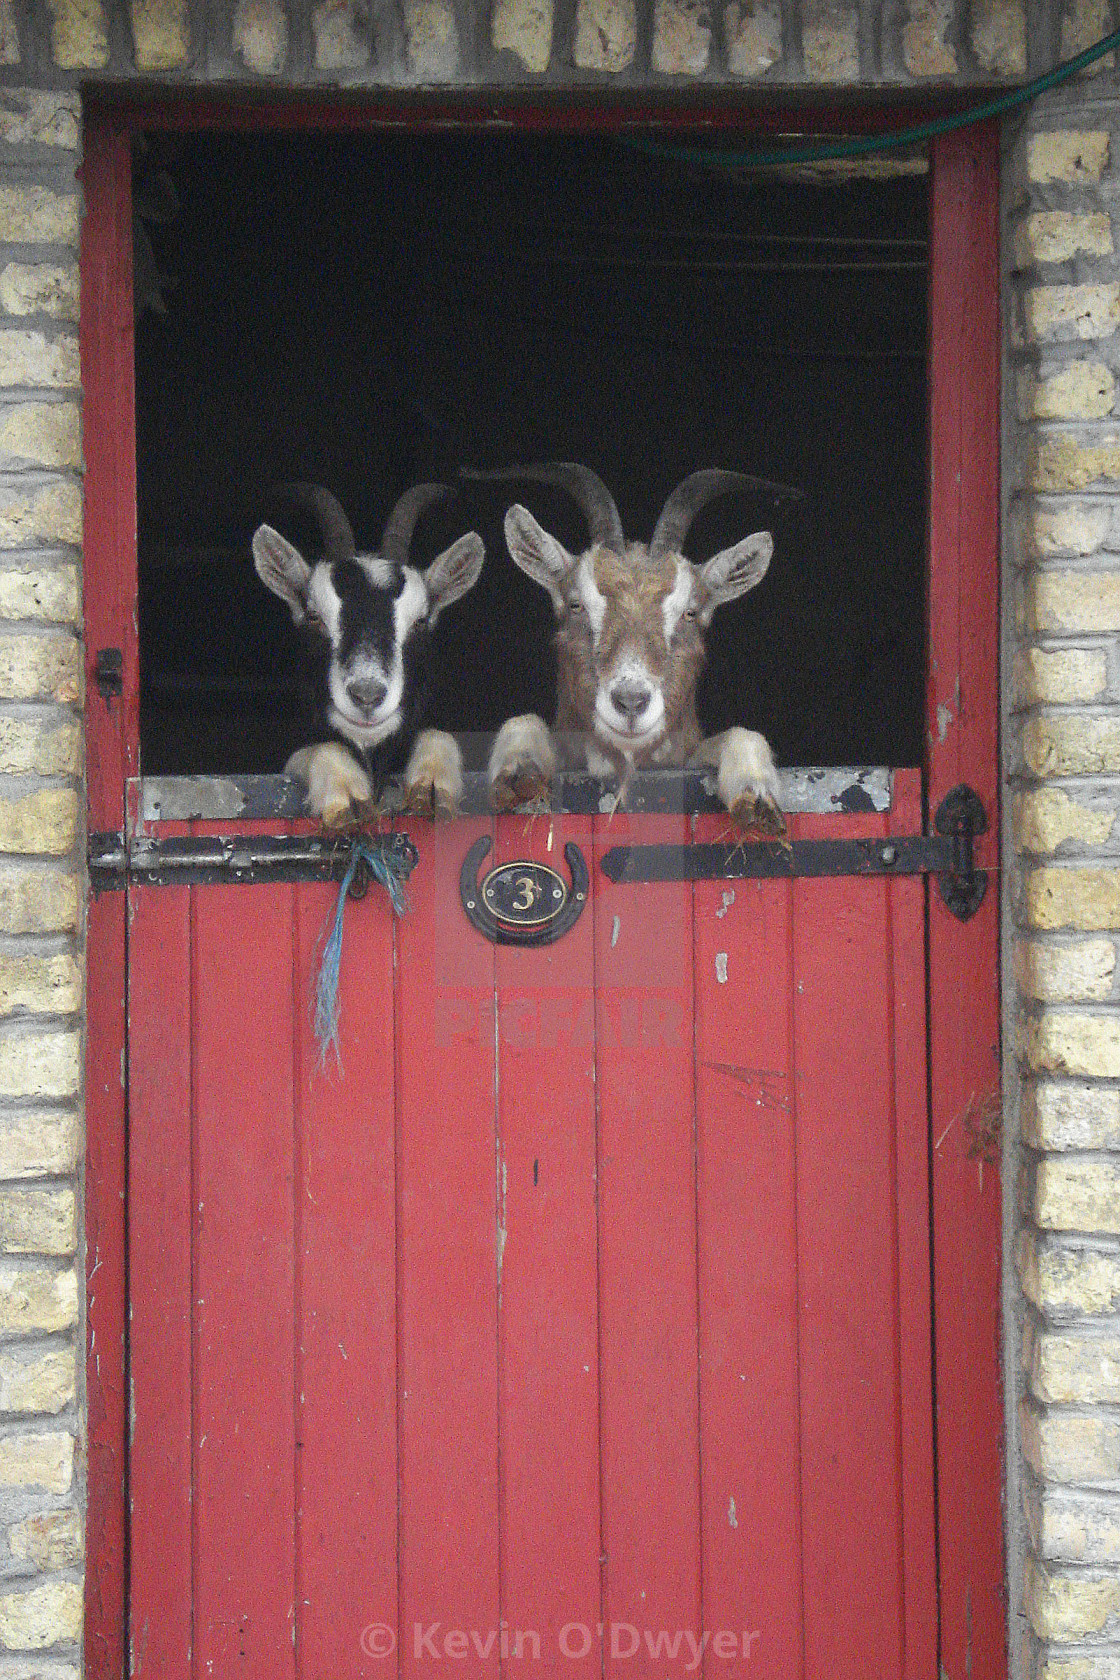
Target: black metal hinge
253,858
946,854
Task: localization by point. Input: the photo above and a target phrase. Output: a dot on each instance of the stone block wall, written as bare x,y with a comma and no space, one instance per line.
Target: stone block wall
1062,898
486,43
41,888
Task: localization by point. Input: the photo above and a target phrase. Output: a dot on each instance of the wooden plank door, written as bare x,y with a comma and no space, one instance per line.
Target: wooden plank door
579,1319
814,1274
752,1560
262,1260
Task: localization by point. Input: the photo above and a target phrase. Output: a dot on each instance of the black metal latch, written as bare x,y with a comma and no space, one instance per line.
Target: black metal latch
108,672
245,859
947,854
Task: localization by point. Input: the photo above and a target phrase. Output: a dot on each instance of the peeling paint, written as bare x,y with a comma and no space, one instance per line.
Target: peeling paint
721,967
137,1655
503,1230
728,901
732,1519
615,931
944,719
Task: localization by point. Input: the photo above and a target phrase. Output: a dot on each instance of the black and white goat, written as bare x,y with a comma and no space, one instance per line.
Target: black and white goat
630,646
367,620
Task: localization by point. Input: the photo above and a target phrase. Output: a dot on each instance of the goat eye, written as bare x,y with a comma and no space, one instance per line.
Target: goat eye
575,604
691,612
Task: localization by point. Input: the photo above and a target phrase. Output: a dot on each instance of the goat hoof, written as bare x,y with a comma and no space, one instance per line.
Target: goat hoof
348,818
756,813
338,817
519,785
428,799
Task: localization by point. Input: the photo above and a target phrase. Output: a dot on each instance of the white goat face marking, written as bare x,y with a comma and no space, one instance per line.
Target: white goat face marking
323,601
678,599
379,572
594,601
411,604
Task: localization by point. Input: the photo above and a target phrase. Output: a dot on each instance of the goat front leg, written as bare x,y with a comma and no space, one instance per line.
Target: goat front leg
337,786
746,778
433,781
522,763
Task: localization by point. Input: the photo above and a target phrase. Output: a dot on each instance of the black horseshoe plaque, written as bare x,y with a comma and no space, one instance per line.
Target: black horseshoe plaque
522,903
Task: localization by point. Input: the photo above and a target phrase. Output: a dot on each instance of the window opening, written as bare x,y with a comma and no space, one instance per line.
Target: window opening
368,312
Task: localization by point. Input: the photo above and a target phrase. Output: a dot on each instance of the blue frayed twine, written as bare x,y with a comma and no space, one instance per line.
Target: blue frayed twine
389,861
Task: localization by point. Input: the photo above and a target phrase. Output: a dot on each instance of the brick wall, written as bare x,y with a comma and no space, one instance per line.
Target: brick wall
666,43
41,870
1062,756
1061,681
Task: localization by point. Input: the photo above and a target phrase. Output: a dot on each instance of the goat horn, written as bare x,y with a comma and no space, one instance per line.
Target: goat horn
396,538
584,486
338,538
695,492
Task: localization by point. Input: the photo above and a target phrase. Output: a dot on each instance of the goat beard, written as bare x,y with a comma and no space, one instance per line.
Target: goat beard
670,749
622,762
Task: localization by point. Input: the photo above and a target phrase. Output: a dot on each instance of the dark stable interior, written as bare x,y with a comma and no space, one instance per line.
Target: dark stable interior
369,312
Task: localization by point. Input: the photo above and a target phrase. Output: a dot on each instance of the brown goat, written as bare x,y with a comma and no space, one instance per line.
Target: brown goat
630,647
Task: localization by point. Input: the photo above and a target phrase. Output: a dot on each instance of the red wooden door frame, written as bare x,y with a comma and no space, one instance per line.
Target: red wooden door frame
962,745
962,721
112,737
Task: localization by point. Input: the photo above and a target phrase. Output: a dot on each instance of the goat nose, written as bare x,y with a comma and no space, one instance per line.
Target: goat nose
367,692
630,698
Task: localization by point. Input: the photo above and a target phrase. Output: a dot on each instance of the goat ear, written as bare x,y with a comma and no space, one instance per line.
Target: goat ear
453,572
282,569
732,572
545,560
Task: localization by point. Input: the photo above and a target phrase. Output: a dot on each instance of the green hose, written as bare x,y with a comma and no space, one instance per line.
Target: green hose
862,144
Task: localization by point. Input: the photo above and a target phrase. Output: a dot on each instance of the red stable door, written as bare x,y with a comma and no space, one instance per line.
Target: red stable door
583,1319
578,1319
